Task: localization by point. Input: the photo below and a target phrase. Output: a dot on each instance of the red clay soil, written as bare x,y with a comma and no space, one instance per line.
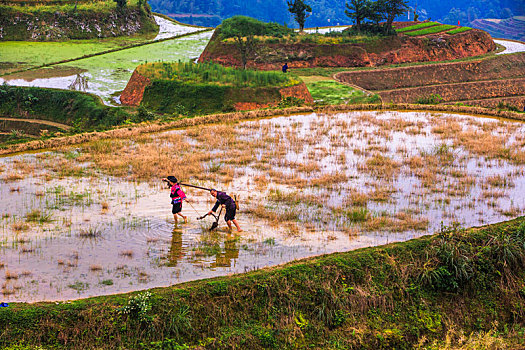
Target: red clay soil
134,91
390,50
298,91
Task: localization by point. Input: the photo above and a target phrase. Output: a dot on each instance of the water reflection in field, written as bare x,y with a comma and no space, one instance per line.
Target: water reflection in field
94,219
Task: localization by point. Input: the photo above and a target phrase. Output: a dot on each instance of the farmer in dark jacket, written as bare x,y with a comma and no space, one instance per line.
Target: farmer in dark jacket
227,202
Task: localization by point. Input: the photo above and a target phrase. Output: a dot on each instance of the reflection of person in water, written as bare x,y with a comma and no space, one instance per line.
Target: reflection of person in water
175,253
231,252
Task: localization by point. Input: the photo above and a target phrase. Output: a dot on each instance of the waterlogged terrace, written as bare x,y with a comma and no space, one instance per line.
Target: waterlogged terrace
103,75
94,219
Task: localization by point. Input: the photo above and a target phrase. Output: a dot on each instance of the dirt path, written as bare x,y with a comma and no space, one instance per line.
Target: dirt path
39,121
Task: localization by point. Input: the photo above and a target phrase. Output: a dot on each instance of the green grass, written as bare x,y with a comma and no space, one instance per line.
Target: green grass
459,30
112,71
332,92
417,26
431,30
16,55
103,6
69,21
427,291
82,111
215,73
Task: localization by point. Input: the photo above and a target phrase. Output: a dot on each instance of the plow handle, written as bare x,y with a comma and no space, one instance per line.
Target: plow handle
201,188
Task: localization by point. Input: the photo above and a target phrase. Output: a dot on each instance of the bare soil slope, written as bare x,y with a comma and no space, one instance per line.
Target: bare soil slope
382,51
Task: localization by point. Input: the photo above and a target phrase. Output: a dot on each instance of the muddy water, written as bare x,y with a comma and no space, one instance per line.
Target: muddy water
85,250
67,230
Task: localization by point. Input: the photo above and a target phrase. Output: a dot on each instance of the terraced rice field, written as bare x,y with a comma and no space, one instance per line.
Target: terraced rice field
485,82
105,74
95,219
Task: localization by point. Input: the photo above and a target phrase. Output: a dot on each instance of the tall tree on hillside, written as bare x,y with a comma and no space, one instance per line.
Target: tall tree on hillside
300,10
358,10
376,12
393,8
243,30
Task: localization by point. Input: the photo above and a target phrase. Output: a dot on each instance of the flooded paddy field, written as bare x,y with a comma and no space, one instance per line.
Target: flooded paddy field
106,74
95,219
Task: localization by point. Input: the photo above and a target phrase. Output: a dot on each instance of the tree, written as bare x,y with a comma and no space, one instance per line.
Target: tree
358,10
376,12
243,30
393,8
121,3
300,10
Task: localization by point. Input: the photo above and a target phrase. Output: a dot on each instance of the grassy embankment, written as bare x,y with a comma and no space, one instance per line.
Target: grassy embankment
191,89
71,20
201,89
83,112
457,288
326,91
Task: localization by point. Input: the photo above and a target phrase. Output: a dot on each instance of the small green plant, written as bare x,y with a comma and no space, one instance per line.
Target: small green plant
180,322
508,107
166,344
290,101
269,241
91,232
38,216
301,321
16,134
142,115
359,214
79,286
138,308
215,167
432,99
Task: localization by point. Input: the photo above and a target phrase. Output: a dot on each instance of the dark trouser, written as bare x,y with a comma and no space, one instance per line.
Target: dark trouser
230,213
177,208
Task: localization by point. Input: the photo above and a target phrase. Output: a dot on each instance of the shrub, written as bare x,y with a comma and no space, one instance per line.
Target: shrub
247,26
290,101
83,111
508,107
138,308
432,99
